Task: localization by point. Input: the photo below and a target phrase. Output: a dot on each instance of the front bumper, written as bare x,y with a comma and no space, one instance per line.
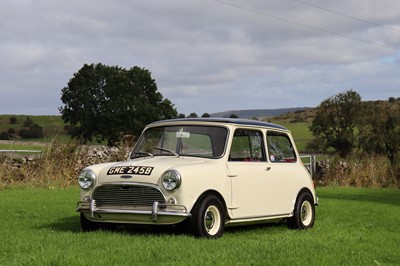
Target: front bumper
158,214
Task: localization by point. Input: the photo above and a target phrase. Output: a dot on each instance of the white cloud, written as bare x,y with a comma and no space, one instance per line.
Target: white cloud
206,56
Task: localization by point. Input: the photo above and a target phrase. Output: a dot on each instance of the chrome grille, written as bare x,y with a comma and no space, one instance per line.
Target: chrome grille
127,195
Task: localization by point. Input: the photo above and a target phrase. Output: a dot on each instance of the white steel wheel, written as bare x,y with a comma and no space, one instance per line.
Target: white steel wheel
303,212
208,218
306,213
212,220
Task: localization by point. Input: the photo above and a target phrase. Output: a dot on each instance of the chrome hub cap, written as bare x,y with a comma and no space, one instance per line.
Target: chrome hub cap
212,220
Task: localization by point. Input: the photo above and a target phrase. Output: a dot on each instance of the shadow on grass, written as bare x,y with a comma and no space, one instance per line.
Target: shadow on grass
66,224
72,224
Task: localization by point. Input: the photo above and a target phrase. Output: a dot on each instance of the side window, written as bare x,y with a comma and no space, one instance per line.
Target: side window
280,148
247,145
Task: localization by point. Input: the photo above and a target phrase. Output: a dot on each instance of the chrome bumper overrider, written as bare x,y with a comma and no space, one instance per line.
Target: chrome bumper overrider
177,211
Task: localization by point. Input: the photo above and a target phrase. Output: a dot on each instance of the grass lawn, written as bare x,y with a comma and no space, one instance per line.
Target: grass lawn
353,227
12,146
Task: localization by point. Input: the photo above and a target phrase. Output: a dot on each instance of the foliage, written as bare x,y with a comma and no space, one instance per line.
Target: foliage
233,116
106,102
206,115
192,115
35,131
336,121
380,132
372,171
58,164
13,120
353,227
5,136
53,168
28,122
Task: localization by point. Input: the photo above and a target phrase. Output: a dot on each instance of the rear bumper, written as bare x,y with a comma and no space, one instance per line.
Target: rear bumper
158,214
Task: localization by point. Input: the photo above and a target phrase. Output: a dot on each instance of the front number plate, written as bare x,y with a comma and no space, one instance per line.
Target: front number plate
135,170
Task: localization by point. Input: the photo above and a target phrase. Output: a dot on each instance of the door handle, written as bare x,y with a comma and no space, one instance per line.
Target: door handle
268,168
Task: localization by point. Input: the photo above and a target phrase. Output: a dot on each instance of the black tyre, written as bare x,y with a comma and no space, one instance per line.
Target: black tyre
304,212
87,225
208,218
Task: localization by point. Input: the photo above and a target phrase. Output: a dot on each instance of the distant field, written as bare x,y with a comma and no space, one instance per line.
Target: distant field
54,128
53,125
300,131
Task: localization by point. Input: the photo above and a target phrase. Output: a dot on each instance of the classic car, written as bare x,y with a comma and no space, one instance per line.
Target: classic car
206,173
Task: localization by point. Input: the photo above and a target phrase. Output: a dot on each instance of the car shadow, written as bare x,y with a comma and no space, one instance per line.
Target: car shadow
255,227
65,224
72,224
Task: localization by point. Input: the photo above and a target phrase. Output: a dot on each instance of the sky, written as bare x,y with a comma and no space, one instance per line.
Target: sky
205,55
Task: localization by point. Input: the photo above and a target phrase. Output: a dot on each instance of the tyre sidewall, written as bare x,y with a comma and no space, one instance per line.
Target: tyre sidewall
304,200
198,214
87,225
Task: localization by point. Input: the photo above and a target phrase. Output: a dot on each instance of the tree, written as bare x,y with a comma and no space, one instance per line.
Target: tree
233,116
13,120
4,136
380,132
106,102
28,122
192,115
206,115
336,121
35,131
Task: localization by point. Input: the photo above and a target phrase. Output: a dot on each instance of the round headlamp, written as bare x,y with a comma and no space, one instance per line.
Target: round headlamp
86,178
171,180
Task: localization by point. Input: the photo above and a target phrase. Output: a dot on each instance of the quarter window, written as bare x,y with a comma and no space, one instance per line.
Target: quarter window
280,148
247,145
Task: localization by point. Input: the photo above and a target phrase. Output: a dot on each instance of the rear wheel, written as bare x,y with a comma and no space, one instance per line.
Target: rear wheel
304,212
208,218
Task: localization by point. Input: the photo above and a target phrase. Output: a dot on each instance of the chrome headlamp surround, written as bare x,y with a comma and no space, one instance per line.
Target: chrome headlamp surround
86,179
171,180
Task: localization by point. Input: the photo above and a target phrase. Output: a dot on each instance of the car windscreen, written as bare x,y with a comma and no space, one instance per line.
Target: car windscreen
188,140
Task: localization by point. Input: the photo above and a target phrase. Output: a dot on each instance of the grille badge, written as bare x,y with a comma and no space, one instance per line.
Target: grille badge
126,176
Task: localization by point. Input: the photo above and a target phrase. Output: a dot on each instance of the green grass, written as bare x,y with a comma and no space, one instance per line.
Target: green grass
11,146
353,227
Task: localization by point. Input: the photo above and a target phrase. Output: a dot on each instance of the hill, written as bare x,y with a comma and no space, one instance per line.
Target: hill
258,113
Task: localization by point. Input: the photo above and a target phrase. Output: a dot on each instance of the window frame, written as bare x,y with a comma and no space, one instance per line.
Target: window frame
250,149
273,157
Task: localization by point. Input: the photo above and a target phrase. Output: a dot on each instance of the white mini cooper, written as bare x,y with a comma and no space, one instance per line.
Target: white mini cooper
206,172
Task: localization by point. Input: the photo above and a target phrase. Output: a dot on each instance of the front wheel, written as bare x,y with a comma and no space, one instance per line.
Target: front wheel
208,218
304,212
87,225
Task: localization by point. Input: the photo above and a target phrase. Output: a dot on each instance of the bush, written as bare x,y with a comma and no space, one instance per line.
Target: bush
28,122
57,166
4,136
34,132
368,171
13,120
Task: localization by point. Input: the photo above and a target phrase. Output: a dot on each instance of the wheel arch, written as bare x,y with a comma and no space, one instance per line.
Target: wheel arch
212,193
303,190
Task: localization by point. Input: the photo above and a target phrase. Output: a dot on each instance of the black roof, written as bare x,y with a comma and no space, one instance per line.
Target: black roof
239,121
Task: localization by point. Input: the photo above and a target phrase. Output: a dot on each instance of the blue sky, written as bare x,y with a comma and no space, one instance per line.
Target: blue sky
205,55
